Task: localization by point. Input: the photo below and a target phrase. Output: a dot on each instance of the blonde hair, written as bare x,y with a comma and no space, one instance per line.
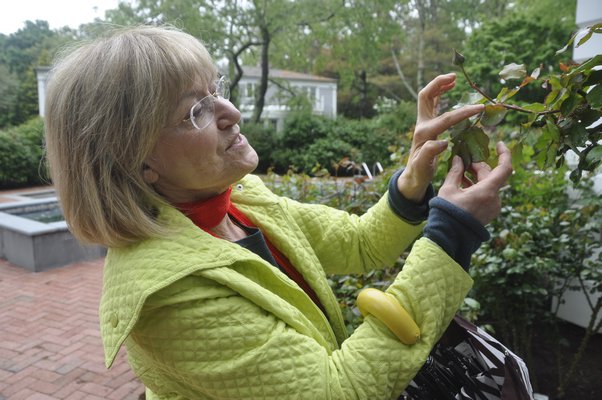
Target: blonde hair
106,105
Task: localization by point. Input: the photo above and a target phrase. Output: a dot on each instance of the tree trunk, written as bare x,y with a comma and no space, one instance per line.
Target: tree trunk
265,69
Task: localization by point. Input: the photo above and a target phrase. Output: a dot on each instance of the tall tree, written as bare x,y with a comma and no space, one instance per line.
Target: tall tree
231,28
20,53
520,38
428,31
352,48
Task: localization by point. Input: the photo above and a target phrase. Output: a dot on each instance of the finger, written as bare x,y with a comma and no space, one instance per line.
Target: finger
430,150
434,87
450,118
500,174
428,96
480,170
455,175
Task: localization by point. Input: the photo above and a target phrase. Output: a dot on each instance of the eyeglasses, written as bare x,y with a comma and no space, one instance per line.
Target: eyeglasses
203,111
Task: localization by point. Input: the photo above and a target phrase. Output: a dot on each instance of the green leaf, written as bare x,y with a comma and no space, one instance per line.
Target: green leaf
517,155
513,71
478,144
587,116
594,97
506,94
547,145
560,97
535,108
570,103
493,115
588,65
593,157
458,58
585,38
574,133
471,98
594,78
459,128
575,175
460,148
472,303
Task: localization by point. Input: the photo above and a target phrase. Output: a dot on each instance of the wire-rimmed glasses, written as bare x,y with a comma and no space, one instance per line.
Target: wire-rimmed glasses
203,111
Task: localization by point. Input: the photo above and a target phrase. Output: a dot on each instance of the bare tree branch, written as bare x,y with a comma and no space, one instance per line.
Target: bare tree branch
403,77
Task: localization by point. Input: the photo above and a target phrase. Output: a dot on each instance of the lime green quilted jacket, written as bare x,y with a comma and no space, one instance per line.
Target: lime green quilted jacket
203,318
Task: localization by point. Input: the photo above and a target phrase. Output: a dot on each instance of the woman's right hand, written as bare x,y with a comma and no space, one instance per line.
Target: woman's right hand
422,160
480,199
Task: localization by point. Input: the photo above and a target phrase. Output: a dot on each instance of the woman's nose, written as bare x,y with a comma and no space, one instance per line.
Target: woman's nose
226,114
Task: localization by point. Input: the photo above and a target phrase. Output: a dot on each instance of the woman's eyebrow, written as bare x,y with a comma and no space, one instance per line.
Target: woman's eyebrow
193,93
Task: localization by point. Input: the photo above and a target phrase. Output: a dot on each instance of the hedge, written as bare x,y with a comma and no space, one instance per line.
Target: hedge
22,155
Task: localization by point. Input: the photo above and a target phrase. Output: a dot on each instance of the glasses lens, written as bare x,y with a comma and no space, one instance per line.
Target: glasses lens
201,114
223,88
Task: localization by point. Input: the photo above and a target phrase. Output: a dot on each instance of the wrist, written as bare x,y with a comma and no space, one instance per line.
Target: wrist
410,188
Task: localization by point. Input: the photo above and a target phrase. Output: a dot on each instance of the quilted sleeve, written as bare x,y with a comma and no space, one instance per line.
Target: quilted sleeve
225,346
346,243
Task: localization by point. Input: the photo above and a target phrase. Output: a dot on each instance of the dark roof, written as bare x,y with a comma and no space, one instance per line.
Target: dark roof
255,72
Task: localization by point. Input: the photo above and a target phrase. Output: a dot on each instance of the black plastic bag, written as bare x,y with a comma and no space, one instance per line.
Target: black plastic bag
469,364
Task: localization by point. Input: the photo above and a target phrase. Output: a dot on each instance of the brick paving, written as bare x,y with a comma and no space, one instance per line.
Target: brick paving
50,345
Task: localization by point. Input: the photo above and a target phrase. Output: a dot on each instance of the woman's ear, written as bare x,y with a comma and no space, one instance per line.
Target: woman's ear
149,175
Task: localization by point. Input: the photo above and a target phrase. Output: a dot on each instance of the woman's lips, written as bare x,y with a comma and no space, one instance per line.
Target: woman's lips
239,141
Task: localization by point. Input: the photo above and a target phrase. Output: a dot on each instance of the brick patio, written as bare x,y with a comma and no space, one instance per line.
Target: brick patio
50,345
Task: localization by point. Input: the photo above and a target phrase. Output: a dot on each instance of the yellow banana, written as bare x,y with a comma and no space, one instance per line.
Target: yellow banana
387,309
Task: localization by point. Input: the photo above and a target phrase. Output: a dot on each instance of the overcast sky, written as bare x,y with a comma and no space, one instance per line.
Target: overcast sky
58,13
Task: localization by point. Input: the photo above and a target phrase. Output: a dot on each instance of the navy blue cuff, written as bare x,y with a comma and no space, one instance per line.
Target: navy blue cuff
454,230
412,212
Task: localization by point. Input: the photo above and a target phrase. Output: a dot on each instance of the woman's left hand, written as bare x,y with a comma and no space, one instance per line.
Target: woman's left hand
422,161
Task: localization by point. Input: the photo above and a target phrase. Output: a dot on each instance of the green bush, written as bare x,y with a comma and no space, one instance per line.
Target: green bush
309,141
21,155
541,240
263,140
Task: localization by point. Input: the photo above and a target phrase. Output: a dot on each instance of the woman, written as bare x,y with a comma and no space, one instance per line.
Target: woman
216,286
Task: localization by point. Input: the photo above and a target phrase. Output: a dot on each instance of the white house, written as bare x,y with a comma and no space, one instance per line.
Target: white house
42,77
589,12
321,91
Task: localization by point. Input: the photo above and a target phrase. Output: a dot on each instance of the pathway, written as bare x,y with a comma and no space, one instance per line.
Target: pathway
50,345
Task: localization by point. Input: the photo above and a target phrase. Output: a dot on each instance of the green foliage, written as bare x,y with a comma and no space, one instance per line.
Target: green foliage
20,53
309,140
21,155
8,95
542,240
562,119
516,38
263,140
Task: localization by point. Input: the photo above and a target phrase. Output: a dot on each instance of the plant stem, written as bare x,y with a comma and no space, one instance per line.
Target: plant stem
508,106
589,332
476,87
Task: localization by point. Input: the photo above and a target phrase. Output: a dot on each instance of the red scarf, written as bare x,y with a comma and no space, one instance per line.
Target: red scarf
207,214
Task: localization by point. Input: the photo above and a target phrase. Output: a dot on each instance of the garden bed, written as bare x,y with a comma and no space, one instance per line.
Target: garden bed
587,381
